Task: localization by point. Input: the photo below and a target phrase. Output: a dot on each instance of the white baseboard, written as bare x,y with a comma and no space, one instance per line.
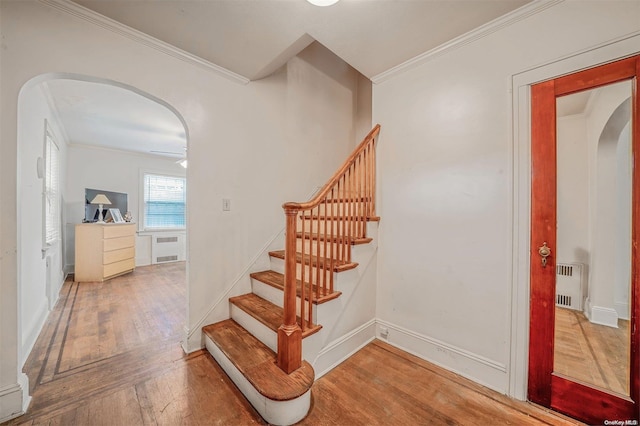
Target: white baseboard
622,308
69,268
187,344
341,349
604,316
14,399
143,261
481,370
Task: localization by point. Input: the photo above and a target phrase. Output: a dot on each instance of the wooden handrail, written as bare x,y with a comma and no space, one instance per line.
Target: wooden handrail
336,176
329,223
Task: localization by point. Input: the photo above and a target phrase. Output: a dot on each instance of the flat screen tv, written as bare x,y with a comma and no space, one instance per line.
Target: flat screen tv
119,200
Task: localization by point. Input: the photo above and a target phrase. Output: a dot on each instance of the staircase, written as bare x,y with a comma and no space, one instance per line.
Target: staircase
261,346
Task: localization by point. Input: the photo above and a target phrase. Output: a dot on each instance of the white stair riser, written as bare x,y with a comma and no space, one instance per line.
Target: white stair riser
335,209
314,247
267,292
255,327
333,227
277,265
339,210
276,296
274,412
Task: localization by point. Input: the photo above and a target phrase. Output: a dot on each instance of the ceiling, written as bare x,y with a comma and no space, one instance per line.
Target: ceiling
574,104
253,38
108,116
582,102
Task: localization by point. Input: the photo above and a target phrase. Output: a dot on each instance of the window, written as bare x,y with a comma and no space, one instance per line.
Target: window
51,193
164,202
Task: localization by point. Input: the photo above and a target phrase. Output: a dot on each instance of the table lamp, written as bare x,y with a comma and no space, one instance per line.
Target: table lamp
100,199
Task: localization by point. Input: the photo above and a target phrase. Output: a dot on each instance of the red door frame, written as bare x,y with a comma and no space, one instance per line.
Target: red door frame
578,400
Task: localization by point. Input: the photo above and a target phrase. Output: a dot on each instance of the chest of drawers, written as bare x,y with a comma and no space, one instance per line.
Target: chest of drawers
104,251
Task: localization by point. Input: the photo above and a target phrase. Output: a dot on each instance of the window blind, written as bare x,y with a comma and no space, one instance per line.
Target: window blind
164,201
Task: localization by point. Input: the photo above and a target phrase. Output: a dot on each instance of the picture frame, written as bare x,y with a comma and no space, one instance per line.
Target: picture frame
116,215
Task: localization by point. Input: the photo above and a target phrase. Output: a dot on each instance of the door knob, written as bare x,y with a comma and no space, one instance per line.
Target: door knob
544,251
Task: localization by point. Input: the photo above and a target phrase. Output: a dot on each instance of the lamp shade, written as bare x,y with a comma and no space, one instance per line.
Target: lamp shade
100,199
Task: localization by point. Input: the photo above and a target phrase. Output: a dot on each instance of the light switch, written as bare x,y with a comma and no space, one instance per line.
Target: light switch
226,204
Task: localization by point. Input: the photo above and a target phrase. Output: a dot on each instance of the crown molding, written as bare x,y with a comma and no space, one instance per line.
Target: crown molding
95,18
510,18
102,148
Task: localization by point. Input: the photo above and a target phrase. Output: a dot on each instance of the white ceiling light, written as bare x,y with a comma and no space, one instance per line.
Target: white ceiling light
323,2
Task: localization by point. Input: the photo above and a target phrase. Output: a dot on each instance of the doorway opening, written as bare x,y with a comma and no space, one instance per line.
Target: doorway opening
104,133
581,211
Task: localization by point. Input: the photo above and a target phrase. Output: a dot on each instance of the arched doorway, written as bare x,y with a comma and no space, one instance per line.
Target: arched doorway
103,134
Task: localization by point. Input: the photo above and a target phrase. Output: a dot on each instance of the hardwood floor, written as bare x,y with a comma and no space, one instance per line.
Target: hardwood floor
110,354
592,353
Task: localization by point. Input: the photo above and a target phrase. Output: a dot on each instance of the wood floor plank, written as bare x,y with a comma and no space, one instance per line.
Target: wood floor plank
194,396
592,353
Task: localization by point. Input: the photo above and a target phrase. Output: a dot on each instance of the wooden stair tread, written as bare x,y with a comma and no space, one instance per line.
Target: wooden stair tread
333,238
276,280
267,313
257,362
329,217
338,266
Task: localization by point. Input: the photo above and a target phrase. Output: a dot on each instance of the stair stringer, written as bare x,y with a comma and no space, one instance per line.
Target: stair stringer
348,322
220,309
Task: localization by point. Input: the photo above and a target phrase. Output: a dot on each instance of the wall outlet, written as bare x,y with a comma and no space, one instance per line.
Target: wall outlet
384,332
226,204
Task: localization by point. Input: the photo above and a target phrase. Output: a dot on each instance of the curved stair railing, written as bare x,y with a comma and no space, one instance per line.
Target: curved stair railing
319,237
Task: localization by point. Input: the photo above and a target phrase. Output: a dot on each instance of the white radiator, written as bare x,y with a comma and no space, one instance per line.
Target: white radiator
570,285
167,247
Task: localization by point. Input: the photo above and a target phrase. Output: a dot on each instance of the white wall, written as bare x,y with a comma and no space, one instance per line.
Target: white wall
317,101
623,224
573,190
40,283
446,190
590,151
591,231
240,138
603,132
110,170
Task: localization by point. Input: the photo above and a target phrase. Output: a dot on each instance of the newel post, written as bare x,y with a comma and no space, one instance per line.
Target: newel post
289,333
